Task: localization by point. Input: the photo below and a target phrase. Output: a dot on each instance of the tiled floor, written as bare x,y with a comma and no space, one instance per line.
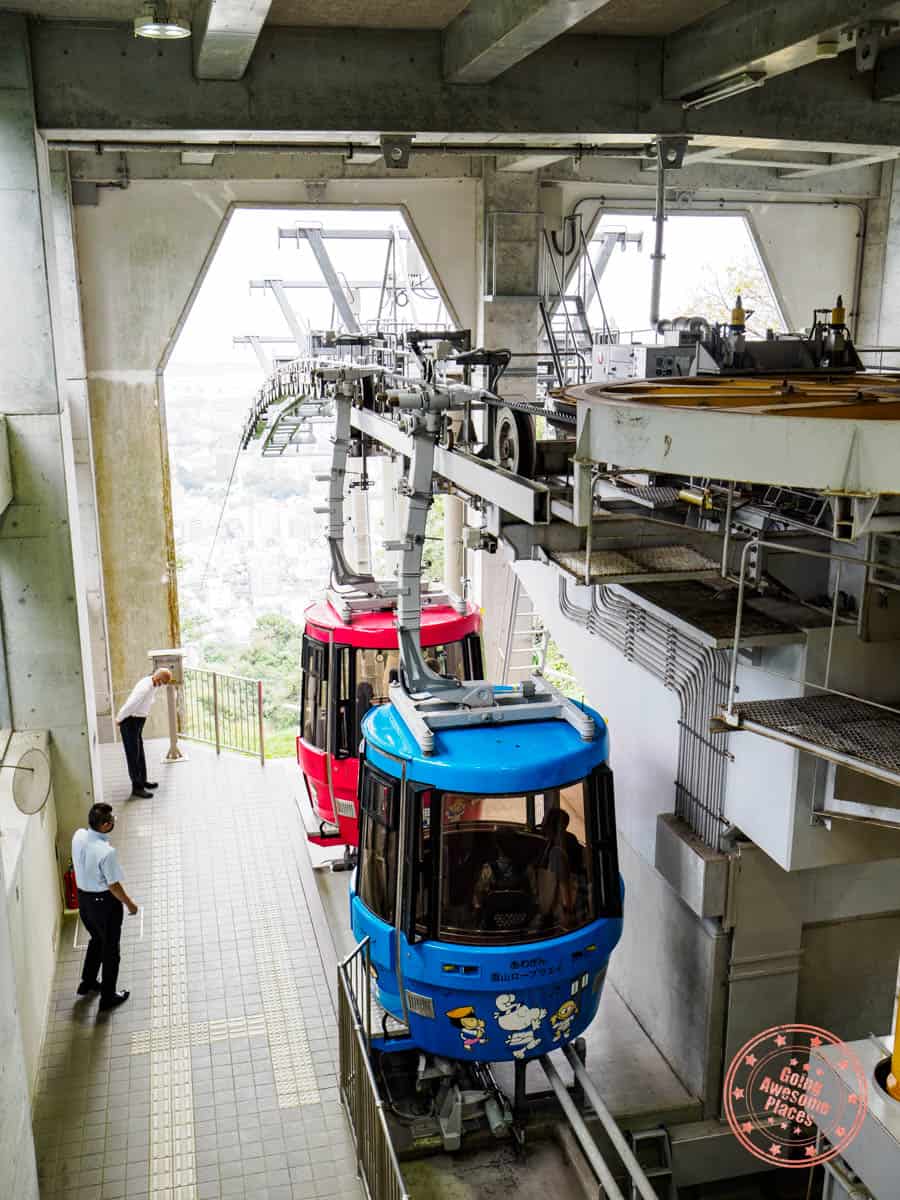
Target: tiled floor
218,1078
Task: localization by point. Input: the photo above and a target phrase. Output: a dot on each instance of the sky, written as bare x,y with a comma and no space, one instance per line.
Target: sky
691,244
226,306
269,552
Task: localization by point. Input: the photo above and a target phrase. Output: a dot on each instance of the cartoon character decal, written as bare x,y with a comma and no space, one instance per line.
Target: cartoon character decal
562,1019
471,1027
454,809
520,1022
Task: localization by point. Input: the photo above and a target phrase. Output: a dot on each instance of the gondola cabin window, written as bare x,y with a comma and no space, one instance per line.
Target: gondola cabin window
378,860
525,867
314,694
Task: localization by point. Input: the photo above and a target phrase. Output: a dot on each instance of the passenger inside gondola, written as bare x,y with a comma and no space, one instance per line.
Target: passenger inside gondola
503,896
512,864
557,870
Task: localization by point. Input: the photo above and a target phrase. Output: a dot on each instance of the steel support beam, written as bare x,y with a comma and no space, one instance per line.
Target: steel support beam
97,84
335,286
488,38
225,35
754,34
295,323
519,497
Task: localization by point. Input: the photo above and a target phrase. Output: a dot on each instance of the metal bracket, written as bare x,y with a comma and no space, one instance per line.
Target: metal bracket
868,43
670,152
396,147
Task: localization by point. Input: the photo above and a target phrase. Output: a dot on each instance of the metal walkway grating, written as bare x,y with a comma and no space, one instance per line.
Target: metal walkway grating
707,613
638,562
856,734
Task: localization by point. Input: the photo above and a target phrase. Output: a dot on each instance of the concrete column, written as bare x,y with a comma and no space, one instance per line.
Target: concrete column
359,515
879,317
42,589
74,373
510,236
140,252
454,558
391,473
492,592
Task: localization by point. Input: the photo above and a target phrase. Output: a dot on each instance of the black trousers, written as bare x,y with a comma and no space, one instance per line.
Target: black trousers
101,914
132,729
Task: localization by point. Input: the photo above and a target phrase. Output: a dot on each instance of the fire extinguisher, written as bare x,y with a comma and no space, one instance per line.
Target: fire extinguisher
70,888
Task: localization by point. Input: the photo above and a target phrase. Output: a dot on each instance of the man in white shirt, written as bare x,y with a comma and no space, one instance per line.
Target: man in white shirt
130,718
100,900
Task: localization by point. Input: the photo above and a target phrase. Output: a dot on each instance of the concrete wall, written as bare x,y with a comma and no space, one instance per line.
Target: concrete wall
848,977
16,1141
34,903
141,252
38,584
880,308
41,585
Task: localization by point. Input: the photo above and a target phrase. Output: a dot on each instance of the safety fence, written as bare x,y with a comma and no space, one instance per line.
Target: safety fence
376,1162
226,711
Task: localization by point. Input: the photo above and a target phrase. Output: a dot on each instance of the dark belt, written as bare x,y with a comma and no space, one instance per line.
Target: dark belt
94,895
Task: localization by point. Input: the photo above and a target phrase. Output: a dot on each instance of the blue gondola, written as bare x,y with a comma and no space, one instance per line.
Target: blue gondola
488,883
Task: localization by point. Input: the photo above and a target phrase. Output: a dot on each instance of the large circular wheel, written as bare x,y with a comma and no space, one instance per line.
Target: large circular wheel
514,443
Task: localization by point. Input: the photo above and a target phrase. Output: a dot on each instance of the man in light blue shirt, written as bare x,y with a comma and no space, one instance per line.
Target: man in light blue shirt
100,900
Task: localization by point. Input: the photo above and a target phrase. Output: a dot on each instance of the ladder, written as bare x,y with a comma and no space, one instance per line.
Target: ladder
570,323
516,644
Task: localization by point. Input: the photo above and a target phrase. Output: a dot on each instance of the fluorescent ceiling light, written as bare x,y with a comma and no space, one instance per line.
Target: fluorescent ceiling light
734,85
160,23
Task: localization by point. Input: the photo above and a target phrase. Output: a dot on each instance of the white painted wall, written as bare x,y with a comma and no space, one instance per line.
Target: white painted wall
810,252
642,714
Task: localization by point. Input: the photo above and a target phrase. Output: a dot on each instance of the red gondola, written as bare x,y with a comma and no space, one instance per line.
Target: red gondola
346,669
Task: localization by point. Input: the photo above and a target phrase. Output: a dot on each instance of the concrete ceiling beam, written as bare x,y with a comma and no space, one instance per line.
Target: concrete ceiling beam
100,84
532,162
750,35
611,178
225,36
842,164
487,38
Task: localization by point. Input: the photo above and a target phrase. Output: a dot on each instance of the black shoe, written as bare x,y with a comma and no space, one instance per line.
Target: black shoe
151,785
141,794
85,989
114,1001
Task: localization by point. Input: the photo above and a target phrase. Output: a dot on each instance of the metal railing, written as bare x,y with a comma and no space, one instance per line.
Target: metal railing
879,358
225,711
376,1161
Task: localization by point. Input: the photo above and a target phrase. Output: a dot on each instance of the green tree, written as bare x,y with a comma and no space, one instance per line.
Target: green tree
718,284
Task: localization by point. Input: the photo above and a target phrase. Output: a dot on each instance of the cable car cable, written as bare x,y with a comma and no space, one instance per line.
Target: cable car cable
221,513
